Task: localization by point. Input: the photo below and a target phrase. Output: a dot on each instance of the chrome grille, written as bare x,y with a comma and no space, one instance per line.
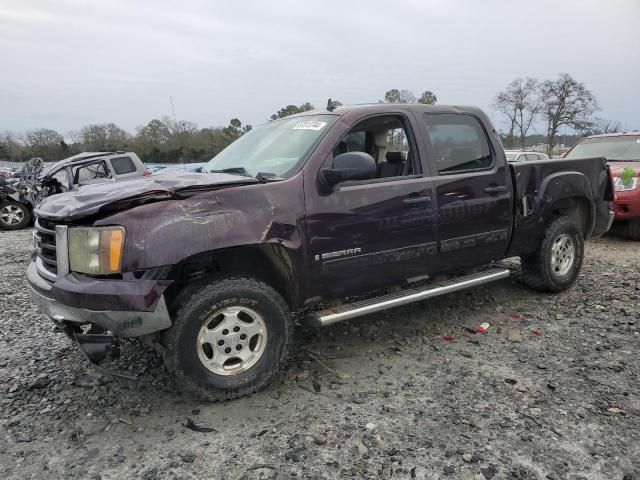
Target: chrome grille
45,243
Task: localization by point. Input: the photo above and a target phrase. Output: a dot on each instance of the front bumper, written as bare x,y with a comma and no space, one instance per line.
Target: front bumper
134,307
627,205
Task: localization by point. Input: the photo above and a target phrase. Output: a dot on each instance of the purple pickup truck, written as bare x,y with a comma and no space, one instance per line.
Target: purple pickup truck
212,268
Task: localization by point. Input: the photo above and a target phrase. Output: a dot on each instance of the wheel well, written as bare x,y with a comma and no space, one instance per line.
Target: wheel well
576,208
269,263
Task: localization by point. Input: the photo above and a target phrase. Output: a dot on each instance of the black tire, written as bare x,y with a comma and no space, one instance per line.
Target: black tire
196,306
633,229
537,269
7,208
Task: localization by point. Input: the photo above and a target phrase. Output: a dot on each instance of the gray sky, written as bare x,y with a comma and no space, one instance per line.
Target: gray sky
67,63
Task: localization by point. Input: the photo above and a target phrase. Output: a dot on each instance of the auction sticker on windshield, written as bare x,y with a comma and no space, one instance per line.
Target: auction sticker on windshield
310,125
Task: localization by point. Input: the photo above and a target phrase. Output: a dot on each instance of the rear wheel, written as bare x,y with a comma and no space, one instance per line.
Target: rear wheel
229,338
556,264
14,215
633,229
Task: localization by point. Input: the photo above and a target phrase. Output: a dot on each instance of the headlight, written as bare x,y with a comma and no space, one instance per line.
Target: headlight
632,183
96,250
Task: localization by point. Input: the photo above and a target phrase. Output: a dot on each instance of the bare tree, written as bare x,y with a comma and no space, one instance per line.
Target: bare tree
528,102
566,101
505,104
520,103
45,143
12,146
601,126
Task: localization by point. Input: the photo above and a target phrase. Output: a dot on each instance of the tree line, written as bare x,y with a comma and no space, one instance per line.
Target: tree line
562,102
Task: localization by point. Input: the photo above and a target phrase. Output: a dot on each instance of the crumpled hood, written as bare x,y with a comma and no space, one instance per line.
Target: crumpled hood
618,167
106,197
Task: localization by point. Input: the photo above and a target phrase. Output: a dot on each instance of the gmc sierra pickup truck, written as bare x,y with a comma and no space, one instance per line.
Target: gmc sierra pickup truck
212,268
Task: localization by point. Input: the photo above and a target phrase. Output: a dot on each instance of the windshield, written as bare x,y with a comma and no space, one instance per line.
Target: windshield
273,148
511,156
622,148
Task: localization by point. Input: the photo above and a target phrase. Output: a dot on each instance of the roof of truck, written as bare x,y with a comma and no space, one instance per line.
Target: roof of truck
390,107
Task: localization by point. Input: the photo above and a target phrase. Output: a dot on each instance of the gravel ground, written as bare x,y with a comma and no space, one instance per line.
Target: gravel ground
550,391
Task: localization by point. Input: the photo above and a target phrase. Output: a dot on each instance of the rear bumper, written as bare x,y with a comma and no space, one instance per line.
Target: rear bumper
133,310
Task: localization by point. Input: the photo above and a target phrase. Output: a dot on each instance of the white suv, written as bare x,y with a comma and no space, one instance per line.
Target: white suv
524,156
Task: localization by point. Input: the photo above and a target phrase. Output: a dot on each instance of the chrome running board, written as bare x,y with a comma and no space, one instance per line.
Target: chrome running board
364,307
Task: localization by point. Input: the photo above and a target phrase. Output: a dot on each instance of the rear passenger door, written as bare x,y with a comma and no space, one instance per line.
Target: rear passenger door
473,191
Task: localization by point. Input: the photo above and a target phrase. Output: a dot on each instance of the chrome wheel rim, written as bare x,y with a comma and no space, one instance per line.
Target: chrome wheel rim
11,215
232,340
563,253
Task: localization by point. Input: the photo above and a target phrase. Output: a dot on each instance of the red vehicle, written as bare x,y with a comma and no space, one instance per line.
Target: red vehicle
622,151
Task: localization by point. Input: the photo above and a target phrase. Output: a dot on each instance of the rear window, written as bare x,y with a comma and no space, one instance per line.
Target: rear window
458,141
122,165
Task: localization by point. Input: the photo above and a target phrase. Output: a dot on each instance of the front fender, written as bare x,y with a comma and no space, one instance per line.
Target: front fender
167,232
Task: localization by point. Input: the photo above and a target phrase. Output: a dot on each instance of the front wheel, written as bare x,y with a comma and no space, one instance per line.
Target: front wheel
14,215
229,338
556,264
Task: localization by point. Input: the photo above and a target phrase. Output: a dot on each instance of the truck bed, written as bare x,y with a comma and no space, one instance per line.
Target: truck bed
536,183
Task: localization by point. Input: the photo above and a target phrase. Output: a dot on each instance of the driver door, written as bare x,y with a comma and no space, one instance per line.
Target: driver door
373,233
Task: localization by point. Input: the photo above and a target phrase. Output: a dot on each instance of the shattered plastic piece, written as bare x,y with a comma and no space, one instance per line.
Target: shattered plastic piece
515,317
448,338
482,328
536,332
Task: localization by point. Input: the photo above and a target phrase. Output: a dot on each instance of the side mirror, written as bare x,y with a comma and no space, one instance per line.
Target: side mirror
349,166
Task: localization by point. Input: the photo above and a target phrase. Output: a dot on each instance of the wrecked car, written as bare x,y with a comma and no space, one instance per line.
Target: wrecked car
36,181
311,216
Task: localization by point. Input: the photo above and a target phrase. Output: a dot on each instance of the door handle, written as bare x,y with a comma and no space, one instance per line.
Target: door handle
417,199
498,189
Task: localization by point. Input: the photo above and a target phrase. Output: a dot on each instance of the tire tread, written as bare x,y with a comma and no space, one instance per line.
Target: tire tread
192,297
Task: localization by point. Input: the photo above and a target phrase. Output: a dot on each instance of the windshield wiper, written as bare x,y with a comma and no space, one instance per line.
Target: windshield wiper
268,177
237,170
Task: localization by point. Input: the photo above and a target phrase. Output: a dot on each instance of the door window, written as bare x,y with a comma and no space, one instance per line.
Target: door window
458,142
90,172
388,140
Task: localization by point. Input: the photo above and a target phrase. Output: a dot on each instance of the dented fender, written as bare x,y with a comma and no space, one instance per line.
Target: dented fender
167,232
